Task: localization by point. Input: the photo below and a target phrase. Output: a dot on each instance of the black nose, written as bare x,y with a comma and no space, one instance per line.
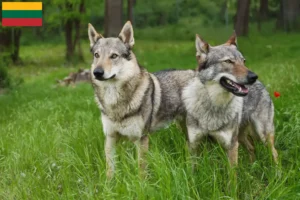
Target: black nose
98,72
252,77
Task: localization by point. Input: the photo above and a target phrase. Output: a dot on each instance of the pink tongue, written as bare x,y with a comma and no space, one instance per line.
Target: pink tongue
245,90
242,89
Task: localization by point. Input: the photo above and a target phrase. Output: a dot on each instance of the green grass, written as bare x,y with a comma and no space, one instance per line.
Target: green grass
52,144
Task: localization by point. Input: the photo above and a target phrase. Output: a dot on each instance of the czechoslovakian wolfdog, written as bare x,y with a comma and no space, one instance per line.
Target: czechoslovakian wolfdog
219,103
211,101
132,101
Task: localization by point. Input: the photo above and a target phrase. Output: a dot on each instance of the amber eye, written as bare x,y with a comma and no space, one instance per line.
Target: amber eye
96,55
113,56
229,61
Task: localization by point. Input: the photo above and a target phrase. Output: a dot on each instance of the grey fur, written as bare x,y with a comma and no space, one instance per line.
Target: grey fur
258,120
211,110
132,101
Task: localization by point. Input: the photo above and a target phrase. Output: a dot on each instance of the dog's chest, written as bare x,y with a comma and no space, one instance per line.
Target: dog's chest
111,102
215,118
213,109
132,127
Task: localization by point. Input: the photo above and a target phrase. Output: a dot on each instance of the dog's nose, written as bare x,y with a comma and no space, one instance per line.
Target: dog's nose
252,77
98,72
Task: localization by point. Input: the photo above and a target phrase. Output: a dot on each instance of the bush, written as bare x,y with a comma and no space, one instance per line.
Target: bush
5,80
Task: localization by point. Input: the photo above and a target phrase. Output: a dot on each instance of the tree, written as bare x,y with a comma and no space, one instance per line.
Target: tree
288,15
113,17
72,23
263,12
10,42
263,9
242,17
130,11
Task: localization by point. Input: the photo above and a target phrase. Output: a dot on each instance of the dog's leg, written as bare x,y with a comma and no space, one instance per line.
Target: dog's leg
244,133
110,148
270,140
182,125
266,133
250,148
232,152
142,150
193,141
244,140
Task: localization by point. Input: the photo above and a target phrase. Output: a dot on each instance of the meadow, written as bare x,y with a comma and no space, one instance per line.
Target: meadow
52,144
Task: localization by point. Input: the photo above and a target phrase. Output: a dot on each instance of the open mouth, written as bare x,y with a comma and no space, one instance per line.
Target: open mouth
233,87
105,79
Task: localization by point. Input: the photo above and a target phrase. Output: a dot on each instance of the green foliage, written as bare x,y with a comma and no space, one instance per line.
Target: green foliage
4,78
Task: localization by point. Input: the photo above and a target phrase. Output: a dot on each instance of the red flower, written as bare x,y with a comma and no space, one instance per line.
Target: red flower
276,94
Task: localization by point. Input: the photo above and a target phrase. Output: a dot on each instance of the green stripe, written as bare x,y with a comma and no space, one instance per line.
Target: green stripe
22,14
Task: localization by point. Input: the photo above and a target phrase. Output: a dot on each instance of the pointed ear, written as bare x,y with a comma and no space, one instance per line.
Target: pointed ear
126,34
232,40
93,35
201,46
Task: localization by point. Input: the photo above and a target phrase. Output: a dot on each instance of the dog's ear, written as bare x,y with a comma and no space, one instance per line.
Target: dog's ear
126,34
201,46
232,40
93,35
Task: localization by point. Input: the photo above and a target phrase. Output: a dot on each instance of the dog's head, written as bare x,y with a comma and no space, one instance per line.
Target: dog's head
113,58
224,65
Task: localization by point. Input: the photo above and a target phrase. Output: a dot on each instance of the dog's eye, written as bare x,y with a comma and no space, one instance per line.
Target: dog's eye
113,56
229,61
96,55
244,61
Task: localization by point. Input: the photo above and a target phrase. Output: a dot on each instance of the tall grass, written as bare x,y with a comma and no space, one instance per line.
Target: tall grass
52,144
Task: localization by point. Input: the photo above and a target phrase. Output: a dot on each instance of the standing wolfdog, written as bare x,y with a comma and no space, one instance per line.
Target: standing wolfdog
132,101
214,99
257,106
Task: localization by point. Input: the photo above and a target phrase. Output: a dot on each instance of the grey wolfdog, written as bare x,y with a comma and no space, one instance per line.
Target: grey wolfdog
132,101
214,98
230,104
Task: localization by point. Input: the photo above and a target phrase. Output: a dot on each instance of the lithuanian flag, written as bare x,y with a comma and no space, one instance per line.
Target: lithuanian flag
22,14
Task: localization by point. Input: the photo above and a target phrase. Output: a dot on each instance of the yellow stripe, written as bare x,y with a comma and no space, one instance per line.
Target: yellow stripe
22,6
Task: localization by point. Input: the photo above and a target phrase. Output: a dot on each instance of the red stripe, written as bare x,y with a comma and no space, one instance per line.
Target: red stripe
22,21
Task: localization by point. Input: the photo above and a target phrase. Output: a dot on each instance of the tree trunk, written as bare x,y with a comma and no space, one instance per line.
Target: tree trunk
17,32
77,31
291,10
130,7
263,9
113,17
10,42
280,21
242,17
288,15
262,13
68,34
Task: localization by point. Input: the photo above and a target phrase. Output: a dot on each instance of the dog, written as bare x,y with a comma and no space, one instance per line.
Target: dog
214,98
257,121
132,101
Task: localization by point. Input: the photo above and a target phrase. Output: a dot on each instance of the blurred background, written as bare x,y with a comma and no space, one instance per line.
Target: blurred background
65,22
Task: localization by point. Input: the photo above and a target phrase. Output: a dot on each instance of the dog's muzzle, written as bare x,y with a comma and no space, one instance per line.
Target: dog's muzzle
99,74
251,77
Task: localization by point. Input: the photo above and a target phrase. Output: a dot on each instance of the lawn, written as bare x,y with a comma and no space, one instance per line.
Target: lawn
52,144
